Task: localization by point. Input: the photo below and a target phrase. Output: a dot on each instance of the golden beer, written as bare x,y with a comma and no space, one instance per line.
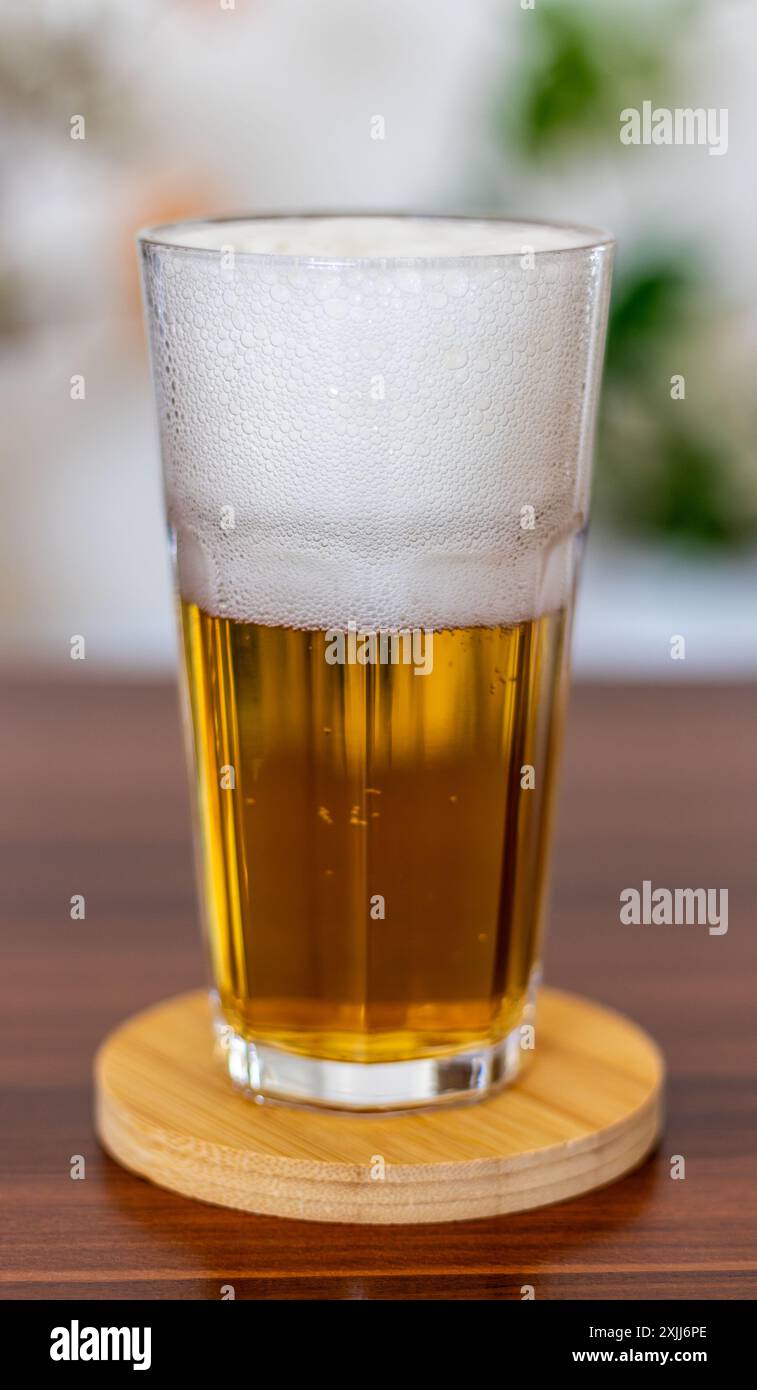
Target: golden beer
373,837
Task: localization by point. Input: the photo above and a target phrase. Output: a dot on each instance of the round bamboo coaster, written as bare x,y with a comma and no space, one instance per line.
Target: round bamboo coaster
587,1110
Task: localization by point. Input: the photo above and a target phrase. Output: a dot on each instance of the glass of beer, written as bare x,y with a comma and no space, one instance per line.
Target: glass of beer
377,438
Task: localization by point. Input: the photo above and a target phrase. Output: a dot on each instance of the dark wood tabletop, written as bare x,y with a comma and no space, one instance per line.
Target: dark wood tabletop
658,783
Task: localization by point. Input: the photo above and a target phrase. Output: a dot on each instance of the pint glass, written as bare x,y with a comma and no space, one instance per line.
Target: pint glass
376,437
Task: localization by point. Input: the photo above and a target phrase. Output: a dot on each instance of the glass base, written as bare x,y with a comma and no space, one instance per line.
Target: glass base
267,1072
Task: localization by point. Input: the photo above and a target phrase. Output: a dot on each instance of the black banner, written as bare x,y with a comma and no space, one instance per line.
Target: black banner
162,1338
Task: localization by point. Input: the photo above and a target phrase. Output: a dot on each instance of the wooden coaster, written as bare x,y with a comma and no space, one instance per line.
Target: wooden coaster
588,1109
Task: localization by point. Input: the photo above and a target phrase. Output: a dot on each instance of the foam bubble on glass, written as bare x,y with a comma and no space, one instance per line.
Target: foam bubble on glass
383,421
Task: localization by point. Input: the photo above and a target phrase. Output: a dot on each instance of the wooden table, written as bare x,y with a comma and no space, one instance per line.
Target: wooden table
658,784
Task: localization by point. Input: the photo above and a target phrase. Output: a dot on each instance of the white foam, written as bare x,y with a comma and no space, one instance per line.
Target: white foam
359,238
358,442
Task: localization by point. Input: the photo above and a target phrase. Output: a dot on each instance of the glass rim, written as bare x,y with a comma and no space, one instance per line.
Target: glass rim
595,238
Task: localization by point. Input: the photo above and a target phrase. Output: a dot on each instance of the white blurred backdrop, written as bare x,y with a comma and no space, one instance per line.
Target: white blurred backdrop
195,106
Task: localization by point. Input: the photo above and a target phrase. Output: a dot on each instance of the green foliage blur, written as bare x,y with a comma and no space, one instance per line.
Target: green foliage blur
679,469
664,469
580,64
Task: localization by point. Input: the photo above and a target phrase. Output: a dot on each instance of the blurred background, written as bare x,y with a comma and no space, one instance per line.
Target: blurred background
504,106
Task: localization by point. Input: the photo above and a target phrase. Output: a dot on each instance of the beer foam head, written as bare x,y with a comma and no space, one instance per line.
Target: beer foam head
383,421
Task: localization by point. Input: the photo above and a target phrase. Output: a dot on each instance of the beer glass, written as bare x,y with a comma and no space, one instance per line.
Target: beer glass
376,436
